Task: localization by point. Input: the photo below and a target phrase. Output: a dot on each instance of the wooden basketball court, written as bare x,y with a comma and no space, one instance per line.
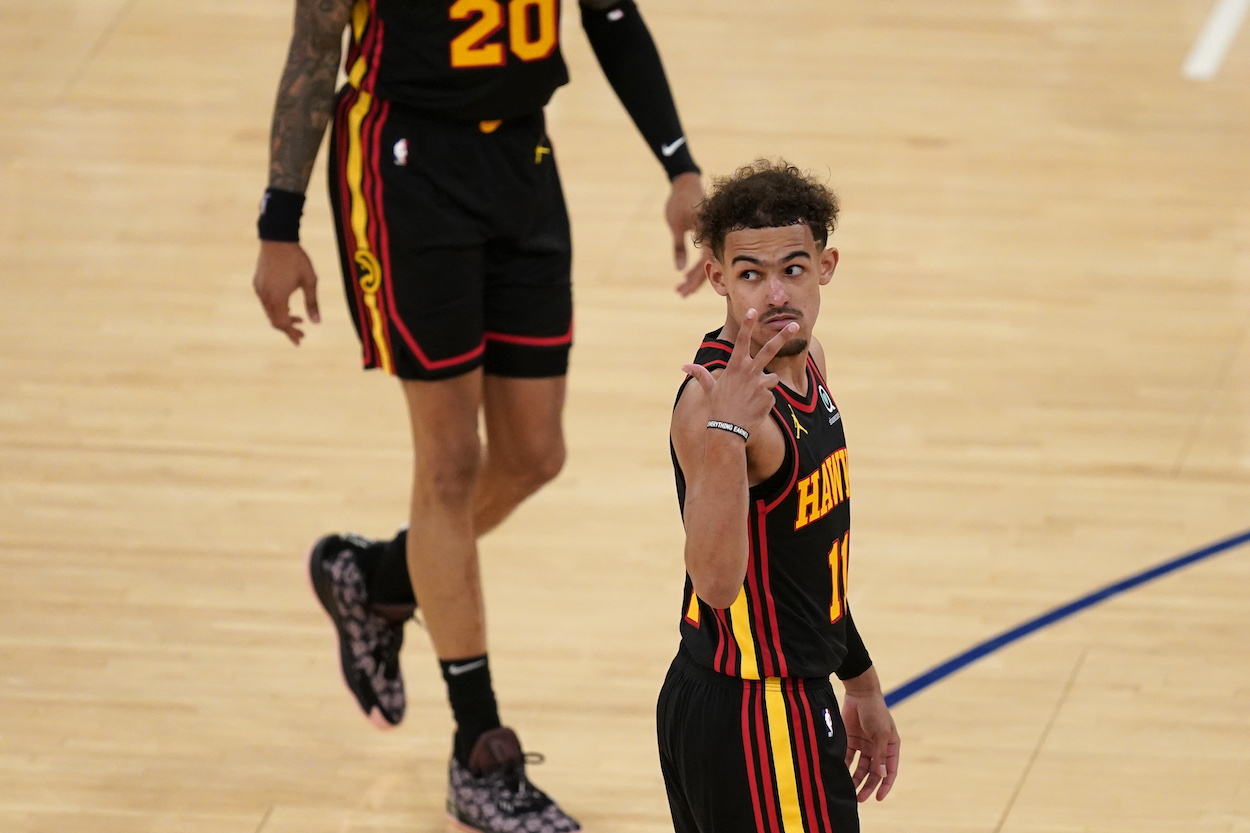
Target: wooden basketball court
1039,335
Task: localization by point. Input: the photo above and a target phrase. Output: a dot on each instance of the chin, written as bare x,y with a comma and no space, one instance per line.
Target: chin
792,348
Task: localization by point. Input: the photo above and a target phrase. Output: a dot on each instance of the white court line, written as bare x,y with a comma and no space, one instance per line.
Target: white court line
1208,53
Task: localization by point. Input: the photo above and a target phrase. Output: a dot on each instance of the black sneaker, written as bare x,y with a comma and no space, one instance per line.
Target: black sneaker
369,643
493,795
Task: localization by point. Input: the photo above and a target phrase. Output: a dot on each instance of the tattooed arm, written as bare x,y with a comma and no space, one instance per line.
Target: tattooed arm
306,92
300,116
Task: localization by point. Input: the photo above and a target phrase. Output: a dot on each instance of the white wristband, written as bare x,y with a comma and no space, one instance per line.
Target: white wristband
730,427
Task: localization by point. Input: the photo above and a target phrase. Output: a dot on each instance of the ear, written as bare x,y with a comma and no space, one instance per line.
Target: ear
716,275
828,262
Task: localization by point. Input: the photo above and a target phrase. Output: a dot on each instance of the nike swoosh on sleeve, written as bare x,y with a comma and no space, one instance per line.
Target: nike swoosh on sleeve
669,150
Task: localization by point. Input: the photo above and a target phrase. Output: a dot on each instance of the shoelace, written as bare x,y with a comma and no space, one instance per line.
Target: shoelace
517,794
386,652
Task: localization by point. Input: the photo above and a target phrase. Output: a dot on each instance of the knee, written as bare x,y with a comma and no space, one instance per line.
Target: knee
449,474
536,465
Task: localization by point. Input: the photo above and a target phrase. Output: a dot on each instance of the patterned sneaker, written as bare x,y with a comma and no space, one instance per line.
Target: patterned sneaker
369,643
493,795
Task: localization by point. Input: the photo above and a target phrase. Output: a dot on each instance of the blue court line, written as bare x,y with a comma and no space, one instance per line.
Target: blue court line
989,646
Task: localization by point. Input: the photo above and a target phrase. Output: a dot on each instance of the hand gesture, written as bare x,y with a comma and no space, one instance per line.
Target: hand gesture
870,731
742,394
281,269
679,212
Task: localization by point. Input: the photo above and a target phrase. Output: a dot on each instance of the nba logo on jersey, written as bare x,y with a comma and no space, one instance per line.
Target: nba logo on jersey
401,152
829,722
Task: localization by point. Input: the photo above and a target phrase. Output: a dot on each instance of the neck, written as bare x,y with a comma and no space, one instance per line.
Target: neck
792,370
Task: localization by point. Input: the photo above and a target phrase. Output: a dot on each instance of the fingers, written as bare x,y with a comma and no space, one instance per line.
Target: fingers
774,344
742,344
701,375
679,248
309,284
870,783
694,278
891,769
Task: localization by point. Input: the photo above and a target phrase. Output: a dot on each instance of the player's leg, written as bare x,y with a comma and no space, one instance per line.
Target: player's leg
527,308
525,444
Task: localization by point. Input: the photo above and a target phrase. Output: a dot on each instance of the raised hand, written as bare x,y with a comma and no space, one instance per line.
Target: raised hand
281,269
742,394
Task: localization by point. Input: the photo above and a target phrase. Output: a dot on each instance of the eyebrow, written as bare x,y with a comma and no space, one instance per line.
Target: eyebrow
794,254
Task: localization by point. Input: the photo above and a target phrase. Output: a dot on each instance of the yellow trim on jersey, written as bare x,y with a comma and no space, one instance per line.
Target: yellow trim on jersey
692,612
366,261
740,623
783,762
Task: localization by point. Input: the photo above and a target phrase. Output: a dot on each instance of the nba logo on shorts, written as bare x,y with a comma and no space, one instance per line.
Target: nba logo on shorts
829,722
401,152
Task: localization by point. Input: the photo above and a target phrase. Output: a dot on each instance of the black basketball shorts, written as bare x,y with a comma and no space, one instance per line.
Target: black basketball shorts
454,241
753,756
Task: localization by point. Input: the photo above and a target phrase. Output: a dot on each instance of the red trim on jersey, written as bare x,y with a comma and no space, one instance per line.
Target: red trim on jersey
754,602
717,345
720,640
799,720
534,341
731,646
371,78
749,758
768,594
807,407
820,783
766,759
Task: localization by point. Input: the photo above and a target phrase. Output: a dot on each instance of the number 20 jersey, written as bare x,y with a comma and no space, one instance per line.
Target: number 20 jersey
467,60
790,618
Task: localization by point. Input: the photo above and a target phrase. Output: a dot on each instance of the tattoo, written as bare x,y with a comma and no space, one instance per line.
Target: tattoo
306,92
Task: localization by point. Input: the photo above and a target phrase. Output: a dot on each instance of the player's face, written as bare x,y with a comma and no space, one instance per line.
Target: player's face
779,273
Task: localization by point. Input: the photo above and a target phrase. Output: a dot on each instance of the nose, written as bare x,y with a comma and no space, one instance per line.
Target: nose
777,295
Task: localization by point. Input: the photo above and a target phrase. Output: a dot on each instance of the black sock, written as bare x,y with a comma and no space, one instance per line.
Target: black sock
387,576
472,702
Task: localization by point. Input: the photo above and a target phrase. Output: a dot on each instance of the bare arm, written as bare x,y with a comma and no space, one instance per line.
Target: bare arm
306,92
300,116
719,467
715,514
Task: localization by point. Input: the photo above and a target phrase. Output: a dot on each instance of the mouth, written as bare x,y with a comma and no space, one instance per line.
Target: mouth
779,320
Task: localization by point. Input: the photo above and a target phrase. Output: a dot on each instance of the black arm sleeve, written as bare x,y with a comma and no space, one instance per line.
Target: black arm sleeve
632,66
857,660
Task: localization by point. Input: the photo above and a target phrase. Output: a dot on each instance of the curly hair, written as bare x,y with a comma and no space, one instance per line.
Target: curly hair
765,194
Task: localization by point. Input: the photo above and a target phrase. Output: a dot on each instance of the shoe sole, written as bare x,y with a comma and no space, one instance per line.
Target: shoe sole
375,715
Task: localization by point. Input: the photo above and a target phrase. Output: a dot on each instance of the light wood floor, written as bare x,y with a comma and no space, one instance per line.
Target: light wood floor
1039,335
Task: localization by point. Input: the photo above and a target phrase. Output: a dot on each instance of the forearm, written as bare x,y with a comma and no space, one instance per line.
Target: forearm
631,63
865,684
305,93
716,521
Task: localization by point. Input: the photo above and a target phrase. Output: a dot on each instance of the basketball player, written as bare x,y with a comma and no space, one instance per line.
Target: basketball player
749,730
455,253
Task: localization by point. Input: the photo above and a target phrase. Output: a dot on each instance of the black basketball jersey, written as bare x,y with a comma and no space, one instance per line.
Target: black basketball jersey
473,60
791,617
